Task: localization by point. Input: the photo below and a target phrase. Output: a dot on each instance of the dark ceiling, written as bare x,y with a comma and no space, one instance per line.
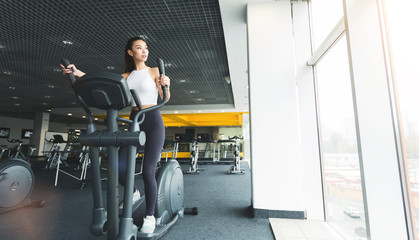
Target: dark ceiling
35,35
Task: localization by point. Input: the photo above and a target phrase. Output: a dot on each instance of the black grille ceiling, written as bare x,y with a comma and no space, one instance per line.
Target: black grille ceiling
35,35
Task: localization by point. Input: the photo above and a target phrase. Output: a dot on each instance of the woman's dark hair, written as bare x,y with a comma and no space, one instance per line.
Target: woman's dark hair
129,62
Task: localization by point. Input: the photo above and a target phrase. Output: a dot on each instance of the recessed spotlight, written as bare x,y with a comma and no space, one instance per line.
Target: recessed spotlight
51,86
83,116
47,96
17,104
199,99
14,97
44,103
193,91
69,114
182,81
49,110
7,73
12,88
96,119
110,67
66,42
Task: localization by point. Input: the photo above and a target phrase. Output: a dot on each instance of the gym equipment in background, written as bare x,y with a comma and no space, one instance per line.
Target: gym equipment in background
194,159
236,167
17,181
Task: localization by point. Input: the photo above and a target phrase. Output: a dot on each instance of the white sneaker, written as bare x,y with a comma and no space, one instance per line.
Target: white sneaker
149,224
135,197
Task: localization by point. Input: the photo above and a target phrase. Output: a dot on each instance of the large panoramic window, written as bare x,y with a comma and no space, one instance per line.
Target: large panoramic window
343,193
404,45
340,161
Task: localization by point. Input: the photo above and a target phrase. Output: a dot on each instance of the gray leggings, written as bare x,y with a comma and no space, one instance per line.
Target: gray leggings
155,132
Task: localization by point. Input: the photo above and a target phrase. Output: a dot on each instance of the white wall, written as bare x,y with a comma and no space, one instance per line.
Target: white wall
277,175
309,139
226,132
16,125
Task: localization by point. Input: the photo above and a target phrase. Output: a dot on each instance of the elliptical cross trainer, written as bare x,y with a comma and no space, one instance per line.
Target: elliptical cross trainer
110,92
17,181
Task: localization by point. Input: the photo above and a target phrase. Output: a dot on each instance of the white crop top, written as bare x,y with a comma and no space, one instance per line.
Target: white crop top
146,87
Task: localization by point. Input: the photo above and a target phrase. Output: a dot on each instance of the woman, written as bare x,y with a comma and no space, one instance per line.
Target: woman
147,82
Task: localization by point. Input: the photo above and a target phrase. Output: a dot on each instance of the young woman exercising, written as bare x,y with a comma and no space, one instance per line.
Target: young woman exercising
147,82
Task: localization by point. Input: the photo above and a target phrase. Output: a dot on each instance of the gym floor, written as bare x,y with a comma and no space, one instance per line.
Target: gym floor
223,201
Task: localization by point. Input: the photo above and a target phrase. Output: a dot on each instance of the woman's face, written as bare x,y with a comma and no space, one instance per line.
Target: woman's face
139,51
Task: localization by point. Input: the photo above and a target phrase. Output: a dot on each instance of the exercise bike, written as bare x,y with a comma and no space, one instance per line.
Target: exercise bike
17,181
193,169
110,92
236,167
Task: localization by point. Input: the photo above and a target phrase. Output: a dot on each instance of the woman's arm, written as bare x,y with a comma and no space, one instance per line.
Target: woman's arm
72,69
125,75
164,80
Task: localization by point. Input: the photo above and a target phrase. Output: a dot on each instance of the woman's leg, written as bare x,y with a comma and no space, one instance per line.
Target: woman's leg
155,133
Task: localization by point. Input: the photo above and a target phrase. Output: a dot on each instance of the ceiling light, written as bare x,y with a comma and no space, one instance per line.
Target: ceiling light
2,46
12,88
15,97
83,116
57,69
110,67
193,91
49,110
7,72
44,103
96,119
66,42
199,99
69,114
182,81
51,86
227,79
47,96
17,104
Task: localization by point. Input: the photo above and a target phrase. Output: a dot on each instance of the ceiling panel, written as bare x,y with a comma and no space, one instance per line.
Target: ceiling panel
35,35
